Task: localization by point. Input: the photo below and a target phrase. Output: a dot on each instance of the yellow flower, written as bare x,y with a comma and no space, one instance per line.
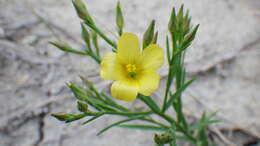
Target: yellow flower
133,70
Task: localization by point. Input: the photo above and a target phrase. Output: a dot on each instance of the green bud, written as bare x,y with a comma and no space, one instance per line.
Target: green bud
66,48
85,36
62,116
180,14
190,37
148,35
163,138
68,117
62,46
186,23
82,11
119,19
186,17
83,107
78,91
172,22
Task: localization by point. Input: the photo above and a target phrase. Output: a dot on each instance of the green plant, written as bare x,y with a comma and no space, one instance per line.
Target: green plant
181,35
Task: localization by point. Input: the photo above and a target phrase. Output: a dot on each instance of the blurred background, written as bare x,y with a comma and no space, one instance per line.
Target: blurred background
225,58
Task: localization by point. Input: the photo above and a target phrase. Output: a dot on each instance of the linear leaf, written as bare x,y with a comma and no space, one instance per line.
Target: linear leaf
92,119
178,92
118,123
202,124
128,113
143,127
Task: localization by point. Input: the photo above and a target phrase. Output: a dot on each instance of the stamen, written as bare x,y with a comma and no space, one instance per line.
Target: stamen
131,69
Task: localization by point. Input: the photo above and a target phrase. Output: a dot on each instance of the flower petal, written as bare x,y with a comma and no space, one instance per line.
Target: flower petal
152,57
124,90
149,82
128,49
111,68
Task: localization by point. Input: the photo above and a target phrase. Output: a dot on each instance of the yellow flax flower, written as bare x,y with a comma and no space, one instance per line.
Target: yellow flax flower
133,70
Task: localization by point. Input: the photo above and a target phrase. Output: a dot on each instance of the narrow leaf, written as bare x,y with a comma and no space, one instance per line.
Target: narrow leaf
129,113
177,93
143,127
118,123
92,119
202,124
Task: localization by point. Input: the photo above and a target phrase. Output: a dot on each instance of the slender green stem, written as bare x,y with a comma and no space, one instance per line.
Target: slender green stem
113,103
101,34
96,58
168,84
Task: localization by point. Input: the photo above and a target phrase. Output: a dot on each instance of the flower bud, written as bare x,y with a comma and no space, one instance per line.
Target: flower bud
85,36
83,107
172,22
62,116
82,11
180,14
186,23
78,91
119,19
148,35
163,138
190,37
62,46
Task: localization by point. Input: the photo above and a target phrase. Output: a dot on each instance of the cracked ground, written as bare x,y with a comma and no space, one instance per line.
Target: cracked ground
225,58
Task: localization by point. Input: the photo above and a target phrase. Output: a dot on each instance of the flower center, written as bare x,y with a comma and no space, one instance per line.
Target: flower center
131,69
